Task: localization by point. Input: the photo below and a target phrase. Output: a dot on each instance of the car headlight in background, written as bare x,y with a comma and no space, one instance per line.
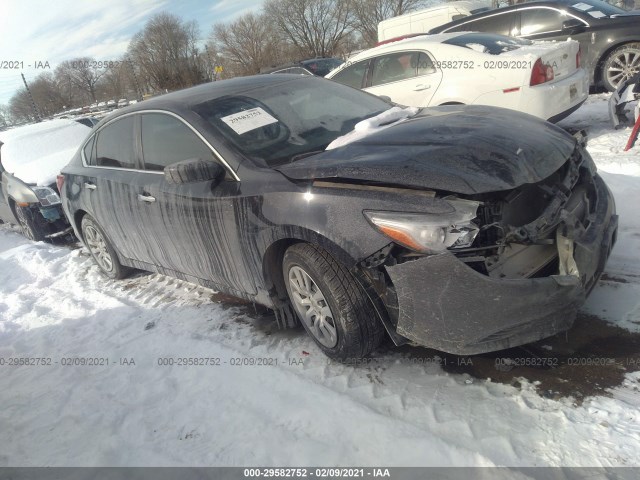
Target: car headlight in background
430,233
46,195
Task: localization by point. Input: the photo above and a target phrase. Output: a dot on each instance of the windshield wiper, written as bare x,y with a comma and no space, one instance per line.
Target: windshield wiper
300,156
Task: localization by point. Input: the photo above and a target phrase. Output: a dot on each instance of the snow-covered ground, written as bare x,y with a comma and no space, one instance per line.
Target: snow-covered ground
292,406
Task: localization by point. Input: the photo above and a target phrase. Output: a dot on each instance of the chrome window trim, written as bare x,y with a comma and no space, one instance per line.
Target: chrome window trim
165,112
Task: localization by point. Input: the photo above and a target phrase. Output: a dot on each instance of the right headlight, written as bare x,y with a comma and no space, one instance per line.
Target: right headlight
429,233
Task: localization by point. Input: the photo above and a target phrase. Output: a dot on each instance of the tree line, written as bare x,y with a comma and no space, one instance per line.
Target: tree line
167,53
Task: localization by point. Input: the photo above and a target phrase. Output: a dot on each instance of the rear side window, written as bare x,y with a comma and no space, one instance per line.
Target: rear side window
352,75
167,140
394,68
541,20
501,24
115,145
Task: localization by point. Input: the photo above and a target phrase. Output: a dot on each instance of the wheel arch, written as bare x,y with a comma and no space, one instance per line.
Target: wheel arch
272,268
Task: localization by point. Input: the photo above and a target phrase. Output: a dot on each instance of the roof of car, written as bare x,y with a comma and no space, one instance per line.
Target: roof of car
404,43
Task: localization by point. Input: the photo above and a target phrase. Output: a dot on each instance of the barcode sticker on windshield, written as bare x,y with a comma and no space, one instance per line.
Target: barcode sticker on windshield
248,120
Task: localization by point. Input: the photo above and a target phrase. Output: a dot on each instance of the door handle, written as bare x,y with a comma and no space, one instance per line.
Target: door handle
89,186
146,198
421,86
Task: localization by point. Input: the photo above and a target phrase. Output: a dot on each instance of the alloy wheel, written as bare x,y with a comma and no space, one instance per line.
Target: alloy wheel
98,247
312,307
623,66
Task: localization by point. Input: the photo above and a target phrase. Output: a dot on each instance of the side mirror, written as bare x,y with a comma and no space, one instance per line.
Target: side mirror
386,98
193,170
573,26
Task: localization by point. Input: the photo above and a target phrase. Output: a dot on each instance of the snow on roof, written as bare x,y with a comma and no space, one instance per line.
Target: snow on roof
36,153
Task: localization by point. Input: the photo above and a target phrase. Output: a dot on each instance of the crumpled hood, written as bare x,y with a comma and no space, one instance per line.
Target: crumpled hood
460,149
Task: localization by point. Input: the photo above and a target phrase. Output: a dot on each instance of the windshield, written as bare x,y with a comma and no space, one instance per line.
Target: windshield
491,43
280,123
597,9
322,66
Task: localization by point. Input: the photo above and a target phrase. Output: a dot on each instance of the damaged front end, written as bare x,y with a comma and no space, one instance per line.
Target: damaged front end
514,271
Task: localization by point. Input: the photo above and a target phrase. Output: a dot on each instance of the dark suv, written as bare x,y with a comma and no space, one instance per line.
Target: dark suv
609,36
462,228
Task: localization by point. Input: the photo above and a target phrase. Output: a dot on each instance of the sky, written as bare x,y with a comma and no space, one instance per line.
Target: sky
35,32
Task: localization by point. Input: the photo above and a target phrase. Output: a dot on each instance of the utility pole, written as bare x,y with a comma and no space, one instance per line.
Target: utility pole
33,103
135,79
210,63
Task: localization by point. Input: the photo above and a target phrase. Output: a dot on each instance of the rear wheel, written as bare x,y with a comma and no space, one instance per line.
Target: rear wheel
621,64
31,225
101,249
330,303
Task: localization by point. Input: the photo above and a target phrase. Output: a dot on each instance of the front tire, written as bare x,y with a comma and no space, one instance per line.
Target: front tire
101,249
620,65
31,225
330,303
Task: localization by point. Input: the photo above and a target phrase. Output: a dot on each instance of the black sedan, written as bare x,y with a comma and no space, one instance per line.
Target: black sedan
609,36
466,229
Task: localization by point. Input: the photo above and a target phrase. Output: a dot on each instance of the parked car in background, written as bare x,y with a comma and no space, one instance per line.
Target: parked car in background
111,104
123,102
422,21
314,66
466,229
30,159
543,79
609,36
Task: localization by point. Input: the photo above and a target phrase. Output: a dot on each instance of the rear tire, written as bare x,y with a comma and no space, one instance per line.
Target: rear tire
620,64
330,303
31,225
101,249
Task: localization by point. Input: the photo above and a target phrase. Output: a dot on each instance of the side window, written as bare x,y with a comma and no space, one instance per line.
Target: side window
89,158
500,24
167,140
394,67
425,65
115,145
352,75
540,20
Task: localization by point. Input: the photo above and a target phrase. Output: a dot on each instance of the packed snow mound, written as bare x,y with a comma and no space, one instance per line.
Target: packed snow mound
36,153
374,124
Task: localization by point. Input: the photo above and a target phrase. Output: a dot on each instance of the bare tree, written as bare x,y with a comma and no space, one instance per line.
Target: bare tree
84,73
246,45
367,14
5,116
47,96
315,27
166,54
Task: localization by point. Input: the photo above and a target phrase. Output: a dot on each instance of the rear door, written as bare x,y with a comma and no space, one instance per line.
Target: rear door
409,78
112,186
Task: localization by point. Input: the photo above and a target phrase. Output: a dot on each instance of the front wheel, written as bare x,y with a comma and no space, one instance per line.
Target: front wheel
101,249
620,65
330,303
32,226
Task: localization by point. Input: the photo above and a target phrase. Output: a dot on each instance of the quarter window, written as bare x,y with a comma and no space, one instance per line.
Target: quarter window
167,140
352,75
115,145
88,151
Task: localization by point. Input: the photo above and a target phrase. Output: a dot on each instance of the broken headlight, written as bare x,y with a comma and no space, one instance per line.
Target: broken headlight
47,196
430,233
